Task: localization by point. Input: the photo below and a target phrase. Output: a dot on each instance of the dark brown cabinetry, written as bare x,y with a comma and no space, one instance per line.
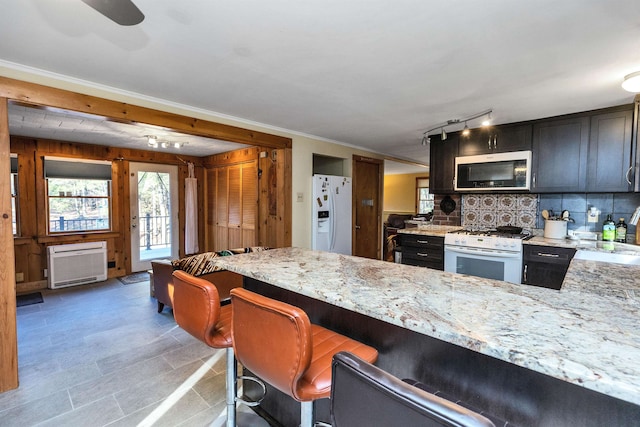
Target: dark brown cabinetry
609,164
496,139
560,149
422,251
545,266
442,163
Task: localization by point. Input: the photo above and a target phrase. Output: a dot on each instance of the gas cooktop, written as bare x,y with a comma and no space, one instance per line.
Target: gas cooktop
490,233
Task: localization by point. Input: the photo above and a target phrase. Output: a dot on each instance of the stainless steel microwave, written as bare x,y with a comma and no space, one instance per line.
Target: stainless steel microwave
500,171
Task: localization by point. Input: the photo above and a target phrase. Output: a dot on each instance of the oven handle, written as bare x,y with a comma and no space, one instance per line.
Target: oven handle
482,252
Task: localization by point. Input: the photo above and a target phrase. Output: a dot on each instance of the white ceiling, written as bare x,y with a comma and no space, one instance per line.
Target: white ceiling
374,74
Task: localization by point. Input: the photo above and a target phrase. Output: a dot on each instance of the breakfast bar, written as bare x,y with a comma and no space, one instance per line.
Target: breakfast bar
528,355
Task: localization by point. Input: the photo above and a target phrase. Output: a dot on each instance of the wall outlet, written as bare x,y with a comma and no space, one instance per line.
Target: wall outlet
46,273
300,197
19,277
593,215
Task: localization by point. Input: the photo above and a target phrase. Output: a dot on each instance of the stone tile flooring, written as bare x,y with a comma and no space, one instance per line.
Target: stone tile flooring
101,355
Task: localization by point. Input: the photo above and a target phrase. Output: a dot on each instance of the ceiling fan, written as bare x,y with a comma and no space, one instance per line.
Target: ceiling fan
122,12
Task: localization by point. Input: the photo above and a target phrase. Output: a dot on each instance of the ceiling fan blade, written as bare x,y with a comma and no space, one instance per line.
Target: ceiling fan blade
122,12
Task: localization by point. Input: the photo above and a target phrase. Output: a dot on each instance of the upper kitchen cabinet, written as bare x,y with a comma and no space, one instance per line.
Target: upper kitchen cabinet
610,167
560,151
442,157
496,139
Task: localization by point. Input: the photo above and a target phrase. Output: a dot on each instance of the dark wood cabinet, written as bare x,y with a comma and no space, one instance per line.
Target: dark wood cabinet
610,165
422,251
442,157
560,151
496,139
545,266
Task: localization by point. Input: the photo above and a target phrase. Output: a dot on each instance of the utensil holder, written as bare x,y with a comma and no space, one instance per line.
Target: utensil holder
555,229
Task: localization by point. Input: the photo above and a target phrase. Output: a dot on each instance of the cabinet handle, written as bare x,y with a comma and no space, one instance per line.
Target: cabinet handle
422,254
533,184
425,241
495,141
489,142
627,175
524,279
549,255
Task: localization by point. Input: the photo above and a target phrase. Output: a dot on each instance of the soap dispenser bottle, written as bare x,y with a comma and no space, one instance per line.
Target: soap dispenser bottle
608,229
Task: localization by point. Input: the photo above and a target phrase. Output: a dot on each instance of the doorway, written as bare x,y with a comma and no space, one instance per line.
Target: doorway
154,213
367,209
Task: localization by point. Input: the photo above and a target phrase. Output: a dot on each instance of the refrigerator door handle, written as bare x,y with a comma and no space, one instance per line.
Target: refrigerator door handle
332,221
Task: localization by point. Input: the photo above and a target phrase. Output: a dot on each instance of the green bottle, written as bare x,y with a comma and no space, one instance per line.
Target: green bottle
609,229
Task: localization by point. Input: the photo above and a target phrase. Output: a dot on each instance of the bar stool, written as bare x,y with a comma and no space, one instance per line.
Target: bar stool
197,310
363,394
277,342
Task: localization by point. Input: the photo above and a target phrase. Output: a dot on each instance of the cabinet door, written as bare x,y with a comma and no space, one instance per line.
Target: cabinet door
497,139
512,138
479,141
609,165
560,149
442,159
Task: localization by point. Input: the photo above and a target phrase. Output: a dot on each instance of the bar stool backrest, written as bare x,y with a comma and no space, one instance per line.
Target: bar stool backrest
196,308
272,339
365,395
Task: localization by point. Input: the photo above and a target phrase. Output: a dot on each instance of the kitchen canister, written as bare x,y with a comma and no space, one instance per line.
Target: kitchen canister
555,229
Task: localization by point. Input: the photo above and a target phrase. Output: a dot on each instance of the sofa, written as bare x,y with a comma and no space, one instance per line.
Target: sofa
199,265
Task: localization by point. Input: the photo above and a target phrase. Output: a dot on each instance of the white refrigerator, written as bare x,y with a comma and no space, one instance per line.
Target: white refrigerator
331,229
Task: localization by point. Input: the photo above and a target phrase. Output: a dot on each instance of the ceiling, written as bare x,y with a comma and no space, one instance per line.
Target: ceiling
374,74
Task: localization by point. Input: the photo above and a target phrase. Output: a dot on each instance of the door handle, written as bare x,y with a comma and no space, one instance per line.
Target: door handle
357,227
627,175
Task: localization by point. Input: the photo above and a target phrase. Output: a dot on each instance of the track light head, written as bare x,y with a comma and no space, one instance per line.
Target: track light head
443,134
466,131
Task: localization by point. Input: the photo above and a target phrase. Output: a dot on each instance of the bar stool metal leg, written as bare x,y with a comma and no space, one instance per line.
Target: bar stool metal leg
306,414
231,387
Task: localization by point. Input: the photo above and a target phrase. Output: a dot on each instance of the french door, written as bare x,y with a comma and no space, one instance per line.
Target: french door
154,213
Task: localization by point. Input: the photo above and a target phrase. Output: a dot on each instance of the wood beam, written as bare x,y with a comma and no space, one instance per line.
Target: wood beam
44,96
8,332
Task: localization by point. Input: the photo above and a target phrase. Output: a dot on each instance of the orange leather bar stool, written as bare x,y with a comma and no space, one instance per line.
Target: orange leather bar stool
196,308
277,342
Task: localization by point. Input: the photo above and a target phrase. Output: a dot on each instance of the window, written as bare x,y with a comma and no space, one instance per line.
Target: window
425,199
14,193
78,195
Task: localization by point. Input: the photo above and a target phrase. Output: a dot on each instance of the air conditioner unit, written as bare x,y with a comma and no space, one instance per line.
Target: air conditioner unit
77,264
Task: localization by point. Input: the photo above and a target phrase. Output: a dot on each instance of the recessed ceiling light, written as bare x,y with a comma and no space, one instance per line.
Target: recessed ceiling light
631,82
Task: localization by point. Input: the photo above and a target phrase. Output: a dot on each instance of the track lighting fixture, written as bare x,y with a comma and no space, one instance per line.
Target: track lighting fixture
466,130
451,122
153,142
631,82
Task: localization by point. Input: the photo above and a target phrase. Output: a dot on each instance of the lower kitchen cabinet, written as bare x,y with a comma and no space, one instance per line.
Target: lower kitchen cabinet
422,251
545,266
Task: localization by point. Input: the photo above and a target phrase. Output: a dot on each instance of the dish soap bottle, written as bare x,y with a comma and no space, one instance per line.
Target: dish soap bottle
608,229
621,231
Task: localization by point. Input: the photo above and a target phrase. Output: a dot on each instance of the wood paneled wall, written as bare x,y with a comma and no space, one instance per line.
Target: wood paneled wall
30,246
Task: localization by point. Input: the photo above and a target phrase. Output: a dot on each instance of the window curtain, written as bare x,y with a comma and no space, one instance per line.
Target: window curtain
191,212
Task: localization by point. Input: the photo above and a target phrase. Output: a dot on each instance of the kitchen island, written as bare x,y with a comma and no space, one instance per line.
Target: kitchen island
531,356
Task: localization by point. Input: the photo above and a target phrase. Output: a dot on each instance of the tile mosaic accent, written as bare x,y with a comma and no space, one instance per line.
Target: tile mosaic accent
491,210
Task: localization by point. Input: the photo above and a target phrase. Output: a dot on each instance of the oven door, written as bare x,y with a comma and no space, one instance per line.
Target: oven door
487,263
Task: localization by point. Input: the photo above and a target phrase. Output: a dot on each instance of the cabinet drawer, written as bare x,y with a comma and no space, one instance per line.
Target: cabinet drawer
424,255
436,265
420,241
548,254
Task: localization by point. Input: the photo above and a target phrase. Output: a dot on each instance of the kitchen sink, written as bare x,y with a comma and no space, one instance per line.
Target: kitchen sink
622,257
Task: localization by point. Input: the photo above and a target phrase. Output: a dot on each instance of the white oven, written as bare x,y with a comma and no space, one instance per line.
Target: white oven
490,257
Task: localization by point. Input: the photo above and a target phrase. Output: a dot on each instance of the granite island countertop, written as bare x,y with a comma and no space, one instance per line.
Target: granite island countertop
585,337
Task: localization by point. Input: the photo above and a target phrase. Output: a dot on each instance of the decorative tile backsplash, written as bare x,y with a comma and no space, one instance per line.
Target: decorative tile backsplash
493,210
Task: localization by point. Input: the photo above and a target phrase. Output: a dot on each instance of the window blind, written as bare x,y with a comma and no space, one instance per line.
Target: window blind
76,169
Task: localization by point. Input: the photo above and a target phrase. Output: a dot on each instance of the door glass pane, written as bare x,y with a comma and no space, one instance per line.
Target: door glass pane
154,209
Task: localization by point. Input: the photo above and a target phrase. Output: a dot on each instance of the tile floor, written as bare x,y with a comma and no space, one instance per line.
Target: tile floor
101,355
